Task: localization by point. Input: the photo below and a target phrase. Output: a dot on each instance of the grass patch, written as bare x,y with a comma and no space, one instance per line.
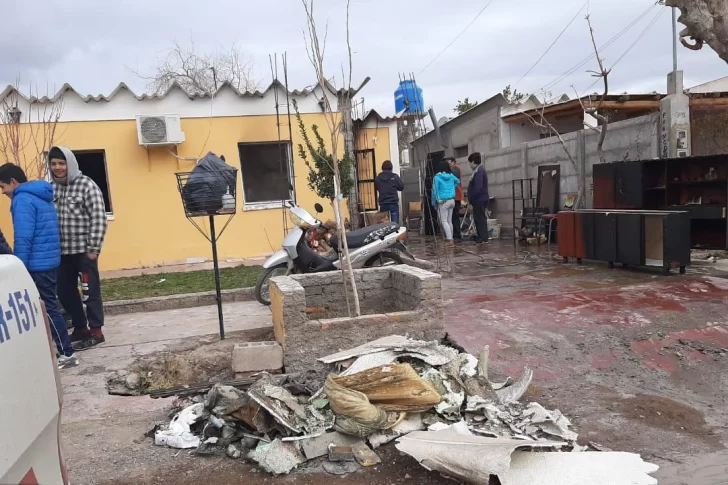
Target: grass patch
147,286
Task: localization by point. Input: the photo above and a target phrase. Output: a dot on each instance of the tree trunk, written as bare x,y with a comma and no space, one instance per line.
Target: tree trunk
706,22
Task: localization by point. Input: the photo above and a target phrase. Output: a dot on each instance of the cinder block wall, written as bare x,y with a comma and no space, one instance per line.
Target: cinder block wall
310,316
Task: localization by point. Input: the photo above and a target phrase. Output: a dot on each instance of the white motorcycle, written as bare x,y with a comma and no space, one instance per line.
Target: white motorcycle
368,247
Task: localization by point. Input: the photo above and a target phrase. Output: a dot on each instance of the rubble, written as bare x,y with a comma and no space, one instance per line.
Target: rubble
436,401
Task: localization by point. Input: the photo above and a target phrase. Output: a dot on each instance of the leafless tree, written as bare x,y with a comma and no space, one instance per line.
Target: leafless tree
201,72
25,138
706,22
315,48
591,108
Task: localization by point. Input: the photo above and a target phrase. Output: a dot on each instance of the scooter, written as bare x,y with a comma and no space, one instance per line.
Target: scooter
368,247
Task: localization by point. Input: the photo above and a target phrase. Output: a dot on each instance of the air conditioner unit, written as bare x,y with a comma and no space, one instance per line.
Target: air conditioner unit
159,130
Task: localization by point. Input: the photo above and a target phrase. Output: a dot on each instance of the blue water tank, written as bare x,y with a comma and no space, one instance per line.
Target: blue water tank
408,97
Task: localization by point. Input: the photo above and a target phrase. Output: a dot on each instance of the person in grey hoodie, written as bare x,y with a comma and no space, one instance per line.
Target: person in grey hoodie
388,186
82,219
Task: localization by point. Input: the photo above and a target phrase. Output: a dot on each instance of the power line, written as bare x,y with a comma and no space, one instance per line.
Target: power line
631,46
456,38
552,44
583,62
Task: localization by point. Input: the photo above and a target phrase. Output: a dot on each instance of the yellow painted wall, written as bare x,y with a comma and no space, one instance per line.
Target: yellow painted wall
149,226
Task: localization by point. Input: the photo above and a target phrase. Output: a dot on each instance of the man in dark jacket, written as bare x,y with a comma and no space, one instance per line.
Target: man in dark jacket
388,186
478,196
38,245
4,246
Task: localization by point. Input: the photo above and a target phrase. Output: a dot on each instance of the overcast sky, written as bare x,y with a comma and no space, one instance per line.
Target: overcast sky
92,45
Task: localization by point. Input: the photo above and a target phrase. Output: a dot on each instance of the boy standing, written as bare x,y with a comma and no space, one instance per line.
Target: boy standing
38,245
82,218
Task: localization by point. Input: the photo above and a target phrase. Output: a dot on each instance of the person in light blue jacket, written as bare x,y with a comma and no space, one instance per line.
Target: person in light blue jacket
37,243
443,198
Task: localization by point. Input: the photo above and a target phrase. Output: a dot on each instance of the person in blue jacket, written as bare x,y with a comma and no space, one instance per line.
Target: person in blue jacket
4,246
37,243
443,199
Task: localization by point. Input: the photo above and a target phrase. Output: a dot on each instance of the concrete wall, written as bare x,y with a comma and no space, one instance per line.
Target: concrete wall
310,319
634,139
477,129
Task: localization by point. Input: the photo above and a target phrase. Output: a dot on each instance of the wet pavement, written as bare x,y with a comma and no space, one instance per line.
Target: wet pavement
637,357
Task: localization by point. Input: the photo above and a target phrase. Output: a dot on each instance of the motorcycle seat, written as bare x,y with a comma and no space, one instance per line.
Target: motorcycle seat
366,235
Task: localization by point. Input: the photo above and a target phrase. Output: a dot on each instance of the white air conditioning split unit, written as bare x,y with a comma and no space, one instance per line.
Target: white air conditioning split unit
159,130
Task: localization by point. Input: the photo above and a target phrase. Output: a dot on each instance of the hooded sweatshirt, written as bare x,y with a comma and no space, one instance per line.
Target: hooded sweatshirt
388,184
81,211
37,238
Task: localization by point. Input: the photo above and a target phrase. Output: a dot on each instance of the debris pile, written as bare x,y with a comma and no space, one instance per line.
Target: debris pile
438,403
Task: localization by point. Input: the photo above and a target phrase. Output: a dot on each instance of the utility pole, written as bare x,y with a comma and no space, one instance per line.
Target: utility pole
674,38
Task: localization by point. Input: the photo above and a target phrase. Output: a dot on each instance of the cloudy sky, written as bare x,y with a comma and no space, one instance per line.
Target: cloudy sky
94,45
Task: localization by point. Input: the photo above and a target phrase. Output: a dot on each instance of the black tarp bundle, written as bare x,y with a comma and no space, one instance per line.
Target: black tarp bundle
206,185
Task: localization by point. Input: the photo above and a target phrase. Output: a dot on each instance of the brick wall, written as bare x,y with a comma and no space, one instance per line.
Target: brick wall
310,315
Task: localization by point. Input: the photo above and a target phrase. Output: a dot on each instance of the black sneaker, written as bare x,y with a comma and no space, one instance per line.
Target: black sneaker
88,342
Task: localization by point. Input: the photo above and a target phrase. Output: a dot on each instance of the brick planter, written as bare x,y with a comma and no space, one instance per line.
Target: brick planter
310,317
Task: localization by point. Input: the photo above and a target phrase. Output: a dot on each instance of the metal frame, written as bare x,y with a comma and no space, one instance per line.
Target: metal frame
272,203
360,182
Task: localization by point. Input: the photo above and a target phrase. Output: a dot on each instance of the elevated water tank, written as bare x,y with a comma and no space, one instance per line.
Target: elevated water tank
408,97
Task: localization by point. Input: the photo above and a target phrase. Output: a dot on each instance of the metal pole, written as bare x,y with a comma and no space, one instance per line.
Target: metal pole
674,39
218,293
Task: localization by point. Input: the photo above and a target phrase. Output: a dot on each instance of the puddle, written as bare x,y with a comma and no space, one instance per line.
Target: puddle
704,470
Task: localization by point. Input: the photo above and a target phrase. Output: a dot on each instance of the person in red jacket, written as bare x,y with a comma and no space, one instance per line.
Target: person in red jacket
457,236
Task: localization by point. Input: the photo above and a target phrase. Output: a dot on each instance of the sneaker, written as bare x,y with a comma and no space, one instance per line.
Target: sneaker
79,334
92,340
65,362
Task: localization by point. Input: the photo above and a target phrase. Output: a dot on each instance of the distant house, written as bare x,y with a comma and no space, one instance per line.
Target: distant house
147,224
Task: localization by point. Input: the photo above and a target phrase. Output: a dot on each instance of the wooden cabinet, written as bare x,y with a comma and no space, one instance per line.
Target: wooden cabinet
628,185
697,185
636,238
604,185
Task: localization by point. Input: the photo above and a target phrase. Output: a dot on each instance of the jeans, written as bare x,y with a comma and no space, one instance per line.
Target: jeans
456,221
71,266
45,281
393,210
444,210
481,219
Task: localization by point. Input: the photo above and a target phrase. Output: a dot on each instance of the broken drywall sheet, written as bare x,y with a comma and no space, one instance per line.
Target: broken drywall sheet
412,423
431,353
472,459
515,391
592,467
278,458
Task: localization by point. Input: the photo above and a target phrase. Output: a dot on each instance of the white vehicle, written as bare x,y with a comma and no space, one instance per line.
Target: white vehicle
368,247
31,398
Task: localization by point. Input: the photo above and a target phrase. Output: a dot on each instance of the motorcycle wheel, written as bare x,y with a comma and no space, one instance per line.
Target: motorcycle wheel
262,291
383,259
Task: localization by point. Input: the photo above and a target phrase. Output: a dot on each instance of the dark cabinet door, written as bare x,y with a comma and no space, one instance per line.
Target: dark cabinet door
630,239
628,193
604,185
605,237
677,238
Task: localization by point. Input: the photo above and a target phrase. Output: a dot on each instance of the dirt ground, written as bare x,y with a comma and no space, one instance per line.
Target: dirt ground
636,359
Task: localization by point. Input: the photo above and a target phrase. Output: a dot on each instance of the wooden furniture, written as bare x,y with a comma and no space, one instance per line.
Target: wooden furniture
630,237
697,185
414,214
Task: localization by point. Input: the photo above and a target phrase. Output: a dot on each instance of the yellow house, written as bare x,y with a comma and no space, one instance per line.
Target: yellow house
147,224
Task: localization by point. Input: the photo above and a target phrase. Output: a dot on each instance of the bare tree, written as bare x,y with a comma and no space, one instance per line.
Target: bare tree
200,72
706,22
590,108
315,48
25,138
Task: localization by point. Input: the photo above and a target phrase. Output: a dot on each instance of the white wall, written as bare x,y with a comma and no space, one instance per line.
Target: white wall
124,105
